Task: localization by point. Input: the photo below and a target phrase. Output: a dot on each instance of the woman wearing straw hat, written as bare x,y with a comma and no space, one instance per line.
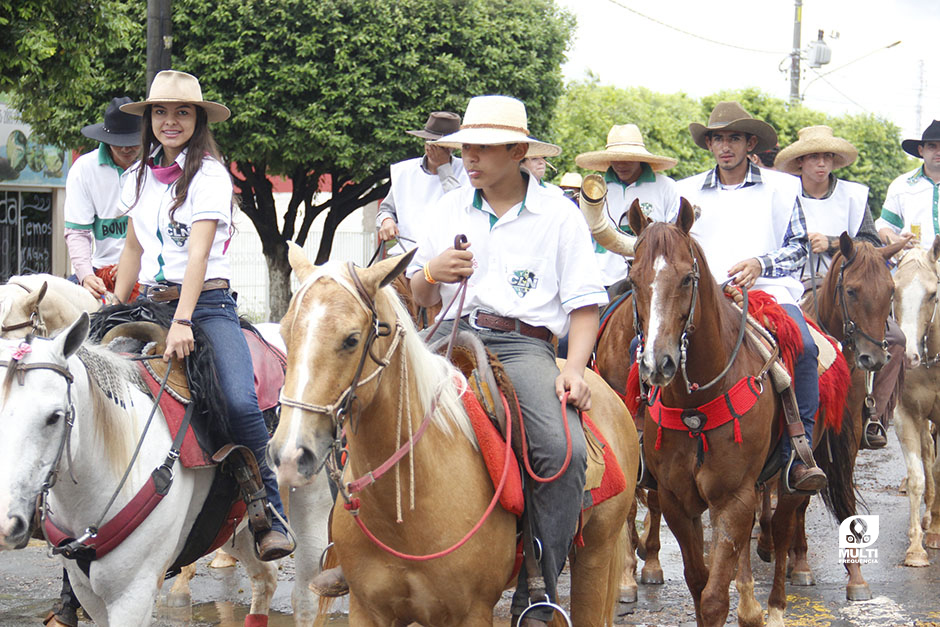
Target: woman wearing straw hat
832,206
179,201
631,173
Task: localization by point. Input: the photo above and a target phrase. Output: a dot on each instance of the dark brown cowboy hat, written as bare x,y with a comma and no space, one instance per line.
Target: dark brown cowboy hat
932,134
118,128
439,123
731,116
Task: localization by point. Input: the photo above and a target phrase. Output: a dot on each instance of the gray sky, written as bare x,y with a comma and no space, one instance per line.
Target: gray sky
626,49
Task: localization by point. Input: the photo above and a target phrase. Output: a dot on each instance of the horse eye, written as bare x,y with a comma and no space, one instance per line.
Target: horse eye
351,341
687,280
53,418
850,292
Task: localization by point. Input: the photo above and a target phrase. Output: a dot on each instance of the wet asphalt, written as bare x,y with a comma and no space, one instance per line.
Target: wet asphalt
29,580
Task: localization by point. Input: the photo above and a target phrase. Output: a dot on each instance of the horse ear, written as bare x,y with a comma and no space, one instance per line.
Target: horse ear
935,249
846,245
636,219
71,339
686,217
299,262
32,300
385,271
889,251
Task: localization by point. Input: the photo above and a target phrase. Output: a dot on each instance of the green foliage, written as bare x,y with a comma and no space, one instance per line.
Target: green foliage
587,110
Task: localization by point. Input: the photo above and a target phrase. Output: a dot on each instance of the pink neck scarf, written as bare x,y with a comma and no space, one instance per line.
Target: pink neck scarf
167,174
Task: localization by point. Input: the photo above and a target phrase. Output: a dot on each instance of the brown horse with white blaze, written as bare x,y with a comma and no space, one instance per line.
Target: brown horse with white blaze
434,494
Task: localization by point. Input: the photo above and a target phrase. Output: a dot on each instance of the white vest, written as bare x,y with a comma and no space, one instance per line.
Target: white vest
415,192
843,211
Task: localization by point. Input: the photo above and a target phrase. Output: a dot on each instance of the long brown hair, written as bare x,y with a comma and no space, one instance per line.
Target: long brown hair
200,145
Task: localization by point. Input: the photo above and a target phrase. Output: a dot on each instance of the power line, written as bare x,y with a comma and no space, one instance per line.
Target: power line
685,32
823,78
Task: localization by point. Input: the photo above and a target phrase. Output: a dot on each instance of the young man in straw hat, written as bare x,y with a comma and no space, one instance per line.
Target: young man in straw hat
417,184
910,208
833,206
631,173
94,225
753,232
530,276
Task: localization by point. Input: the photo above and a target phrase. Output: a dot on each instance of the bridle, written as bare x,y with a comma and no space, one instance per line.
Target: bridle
35,322
849,328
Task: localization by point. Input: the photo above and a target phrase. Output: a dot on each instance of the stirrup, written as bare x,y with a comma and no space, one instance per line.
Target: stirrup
287,528
786,476
546,603
878,427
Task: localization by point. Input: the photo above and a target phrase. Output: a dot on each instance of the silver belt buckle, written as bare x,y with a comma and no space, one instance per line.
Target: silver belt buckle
472,318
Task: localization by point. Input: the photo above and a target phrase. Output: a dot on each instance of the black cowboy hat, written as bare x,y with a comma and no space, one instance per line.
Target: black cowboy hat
439,123
118,128
932,134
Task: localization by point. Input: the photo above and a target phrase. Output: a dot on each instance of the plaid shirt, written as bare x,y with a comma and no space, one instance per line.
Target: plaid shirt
789,258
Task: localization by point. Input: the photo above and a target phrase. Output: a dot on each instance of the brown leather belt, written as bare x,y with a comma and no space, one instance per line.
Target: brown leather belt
164,292
482,319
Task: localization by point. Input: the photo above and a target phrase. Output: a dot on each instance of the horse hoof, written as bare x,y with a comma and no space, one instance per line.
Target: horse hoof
917,559
802,578
652,576
858,592
222,560
628,594
178,600
932,540
764,554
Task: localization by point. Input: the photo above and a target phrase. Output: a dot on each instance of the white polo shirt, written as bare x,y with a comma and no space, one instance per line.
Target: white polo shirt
912,198
91,203
415,192
533,264
166,243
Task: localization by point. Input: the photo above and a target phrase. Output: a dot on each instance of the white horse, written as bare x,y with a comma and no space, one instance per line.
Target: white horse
916,307
34,415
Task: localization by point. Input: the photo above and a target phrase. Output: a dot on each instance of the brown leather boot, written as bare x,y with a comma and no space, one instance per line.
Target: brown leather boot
330,583
273,545
806,479
875,438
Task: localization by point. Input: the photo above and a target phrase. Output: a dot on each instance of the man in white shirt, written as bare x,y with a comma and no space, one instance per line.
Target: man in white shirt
833,206
632,173
417,184
752,229
94,224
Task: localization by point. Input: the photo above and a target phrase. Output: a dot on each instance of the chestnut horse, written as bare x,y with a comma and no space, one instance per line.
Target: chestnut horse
669,274
435,493
854,302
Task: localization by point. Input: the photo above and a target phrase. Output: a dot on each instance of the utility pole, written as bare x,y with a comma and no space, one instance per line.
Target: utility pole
795,55
159,38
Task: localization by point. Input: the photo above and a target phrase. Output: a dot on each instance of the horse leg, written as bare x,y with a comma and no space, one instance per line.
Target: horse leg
910,432
749,609
688,532
222,560
765,542
310,513
180,594
263,576
932,539
652,572
360,615
800,572
731,522
596,569
782,525
628,587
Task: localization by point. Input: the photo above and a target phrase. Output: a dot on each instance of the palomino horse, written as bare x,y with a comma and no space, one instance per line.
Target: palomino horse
336,333
60,395
675,293
42,304
853,306
917,280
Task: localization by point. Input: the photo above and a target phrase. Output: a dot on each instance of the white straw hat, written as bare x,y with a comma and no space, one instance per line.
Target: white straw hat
624,143
813,139
495,120
172,87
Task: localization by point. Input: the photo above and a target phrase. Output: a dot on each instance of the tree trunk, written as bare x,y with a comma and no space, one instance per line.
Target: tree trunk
279,291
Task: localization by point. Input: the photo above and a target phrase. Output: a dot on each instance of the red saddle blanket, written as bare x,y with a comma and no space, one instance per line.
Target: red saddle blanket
493,448
268,363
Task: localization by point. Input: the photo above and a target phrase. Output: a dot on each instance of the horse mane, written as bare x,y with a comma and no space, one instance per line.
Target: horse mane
920,257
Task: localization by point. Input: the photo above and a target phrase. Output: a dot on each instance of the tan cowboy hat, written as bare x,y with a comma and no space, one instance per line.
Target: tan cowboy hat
497,120
570,180
731,116
624,143
814,139
439,123
170,86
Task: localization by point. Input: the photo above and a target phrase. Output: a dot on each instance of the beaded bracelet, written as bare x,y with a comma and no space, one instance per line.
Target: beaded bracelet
427,275
186,322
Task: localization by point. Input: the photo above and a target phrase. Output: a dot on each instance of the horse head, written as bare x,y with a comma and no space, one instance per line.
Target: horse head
338,340
916,302
666,275
35,414
856,300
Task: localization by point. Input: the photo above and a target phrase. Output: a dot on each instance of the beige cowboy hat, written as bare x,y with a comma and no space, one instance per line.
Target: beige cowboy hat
731,116
813,139
624,143
172,87
497,120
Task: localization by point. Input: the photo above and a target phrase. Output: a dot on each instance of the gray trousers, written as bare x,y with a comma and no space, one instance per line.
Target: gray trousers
555,506
886,386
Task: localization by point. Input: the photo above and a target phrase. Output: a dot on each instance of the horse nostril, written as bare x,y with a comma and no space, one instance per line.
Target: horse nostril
668,366
274,459
19,526
307,463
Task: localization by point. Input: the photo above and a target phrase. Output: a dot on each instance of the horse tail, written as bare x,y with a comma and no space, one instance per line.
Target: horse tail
325,604
614,576
836,457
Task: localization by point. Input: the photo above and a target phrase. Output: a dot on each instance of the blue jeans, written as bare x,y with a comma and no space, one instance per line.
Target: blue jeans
805,379
215,315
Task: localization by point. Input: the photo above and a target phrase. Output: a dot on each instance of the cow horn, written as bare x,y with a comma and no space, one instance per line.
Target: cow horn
593,196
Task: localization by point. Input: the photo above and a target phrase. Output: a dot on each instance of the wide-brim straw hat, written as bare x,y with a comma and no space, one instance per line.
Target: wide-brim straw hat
813,139
172,87
624,143
932,134
118,128
497,120
571,180
731,116
439,123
